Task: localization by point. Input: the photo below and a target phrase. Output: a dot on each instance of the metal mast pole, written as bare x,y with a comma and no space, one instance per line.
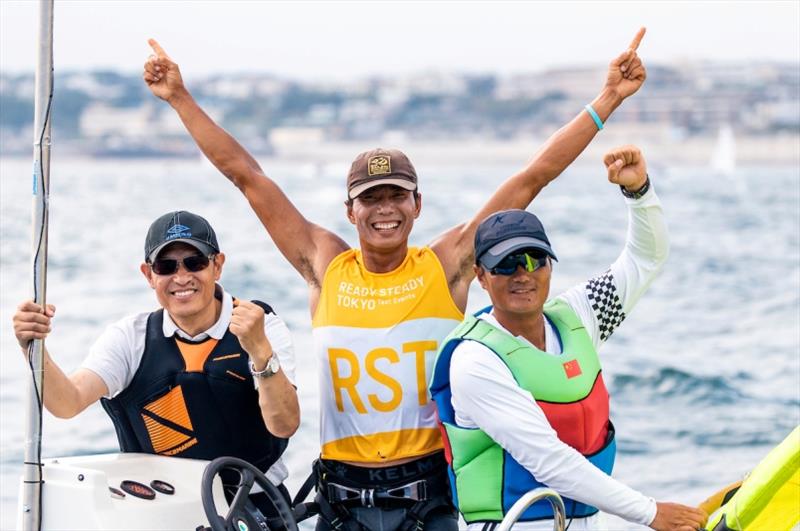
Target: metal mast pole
32,470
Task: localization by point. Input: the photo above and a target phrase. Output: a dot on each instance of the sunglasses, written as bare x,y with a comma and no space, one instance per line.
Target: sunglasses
169,266
509,264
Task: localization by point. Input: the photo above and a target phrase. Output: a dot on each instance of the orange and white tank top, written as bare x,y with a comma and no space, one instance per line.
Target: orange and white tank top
376,335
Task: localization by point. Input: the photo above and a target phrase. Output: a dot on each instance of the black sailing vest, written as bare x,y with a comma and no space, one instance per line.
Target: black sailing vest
193,400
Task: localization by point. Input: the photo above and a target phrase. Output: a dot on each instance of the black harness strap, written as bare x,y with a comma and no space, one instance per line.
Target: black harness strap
339,517
303,509
416,515
308,485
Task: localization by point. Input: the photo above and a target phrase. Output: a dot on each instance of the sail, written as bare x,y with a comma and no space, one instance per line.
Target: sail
768,498
723,158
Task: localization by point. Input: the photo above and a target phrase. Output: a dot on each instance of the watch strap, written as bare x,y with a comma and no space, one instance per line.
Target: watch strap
270,369
638,193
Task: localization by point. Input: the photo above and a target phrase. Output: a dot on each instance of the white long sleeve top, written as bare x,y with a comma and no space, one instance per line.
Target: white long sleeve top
482,385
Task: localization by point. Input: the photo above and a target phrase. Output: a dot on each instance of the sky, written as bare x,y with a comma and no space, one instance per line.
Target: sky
343,40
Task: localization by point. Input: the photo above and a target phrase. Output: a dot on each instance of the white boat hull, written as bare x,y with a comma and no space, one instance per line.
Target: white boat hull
76,496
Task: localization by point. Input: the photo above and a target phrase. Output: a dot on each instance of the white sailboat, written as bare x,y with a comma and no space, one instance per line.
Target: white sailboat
723,158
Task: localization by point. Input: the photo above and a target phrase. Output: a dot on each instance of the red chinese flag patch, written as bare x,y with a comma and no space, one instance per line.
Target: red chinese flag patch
573,369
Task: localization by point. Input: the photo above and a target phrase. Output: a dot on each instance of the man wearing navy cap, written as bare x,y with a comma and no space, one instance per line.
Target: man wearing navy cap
180,381
518,387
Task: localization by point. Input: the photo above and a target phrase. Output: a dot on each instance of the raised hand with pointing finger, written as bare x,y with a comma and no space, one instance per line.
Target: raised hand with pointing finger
626,73
162,75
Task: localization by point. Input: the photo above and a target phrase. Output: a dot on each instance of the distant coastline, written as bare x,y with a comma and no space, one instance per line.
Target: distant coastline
716,113
775,149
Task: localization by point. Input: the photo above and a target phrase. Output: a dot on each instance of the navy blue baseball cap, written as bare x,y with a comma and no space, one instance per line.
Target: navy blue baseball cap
180,226
507,231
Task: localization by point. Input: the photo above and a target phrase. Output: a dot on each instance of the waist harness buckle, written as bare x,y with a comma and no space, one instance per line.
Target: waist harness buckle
410,493
416,490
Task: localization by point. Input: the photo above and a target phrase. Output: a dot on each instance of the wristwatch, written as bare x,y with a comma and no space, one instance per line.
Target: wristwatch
270,369
638,193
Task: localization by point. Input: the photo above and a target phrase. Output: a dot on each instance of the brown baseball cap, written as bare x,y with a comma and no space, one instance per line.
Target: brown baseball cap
380,166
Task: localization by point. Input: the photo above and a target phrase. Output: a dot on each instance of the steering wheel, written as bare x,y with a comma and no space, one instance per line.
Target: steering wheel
242,513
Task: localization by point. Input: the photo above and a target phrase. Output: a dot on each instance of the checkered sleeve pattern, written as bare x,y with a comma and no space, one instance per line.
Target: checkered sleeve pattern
602,294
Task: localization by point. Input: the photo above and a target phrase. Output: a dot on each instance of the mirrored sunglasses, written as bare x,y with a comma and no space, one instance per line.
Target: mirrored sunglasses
529,262
169,266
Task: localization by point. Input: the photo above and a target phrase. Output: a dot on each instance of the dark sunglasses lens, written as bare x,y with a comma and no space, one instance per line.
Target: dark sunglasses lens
168,266
509,264
165,266
196,263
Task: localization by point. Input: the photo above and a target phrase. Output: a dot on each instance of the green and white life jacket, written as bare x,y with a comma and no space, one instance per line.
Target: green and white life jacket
569,388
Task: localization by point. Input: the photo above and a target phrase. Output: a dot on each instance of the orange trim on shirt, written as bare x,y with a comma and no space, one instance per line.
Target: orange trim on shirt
377,447
195,354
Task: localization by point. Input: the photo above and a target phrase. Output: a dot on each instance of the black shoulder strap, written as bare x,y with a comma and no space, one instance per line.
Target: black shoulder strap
155,322
266,307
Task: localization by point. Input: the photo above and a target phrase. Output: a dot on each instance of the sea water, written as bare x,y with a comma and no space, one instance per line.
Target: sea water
704,374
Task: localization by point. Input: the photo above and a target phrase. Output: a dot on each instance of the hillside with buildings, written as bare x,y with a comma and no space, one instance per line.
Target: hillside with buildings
682,108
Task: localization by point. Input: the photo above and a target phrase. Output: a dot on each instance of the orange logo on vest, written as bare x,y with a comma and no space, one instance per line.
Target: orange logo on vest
168,424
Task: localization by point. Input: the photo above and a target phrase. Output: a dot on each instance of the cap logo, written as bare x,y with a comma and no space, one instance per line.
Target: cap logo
379,165
498,219
178,231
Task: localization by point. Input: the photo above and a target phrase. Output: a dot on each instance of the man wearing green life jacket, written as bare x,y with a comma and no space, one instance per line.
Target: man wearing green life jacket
518,387
380,311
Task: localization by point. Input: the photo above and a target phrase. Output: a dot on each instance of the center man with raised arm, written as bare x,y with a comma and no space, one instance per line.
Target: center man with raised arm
379,312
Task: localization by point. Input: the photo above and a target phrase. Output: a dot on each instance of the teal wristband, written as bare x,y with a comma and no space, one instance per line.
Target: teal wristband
597,121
